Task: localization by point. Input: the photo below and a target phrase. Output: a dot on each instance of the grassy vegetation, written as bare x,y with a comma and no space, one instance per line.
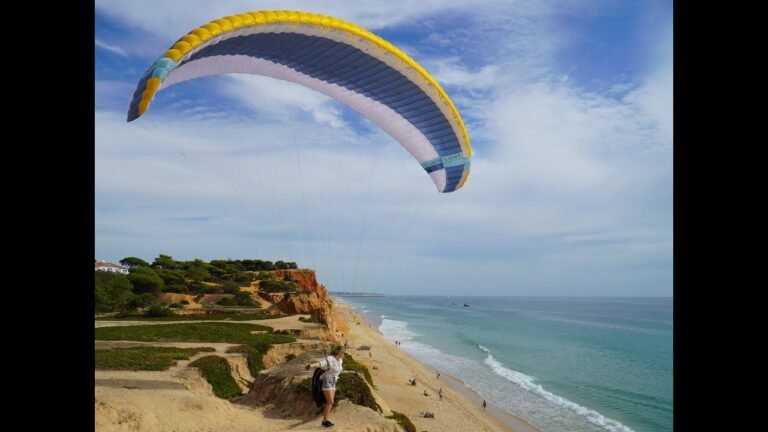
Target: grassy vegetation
217,372
236,333
215,316
351,386
403,421
255,355
351,364
254,345
144,358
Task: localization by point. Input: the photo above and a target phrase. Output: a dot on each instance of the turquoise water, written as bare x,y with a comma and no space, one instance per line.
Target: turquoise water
563,364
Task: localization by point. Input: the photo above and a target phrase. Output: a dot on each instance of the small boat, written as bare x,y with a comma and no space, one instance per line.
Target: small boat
466,305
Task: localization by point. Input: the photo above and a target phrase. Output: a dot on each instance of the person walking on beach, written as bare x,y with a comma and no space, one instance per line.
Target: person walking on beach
438,374
332,365
440,393
484,404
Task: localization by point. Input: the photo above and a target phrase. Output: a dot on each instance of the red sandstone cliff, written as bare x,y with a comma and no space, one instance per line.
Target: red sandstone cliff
312,299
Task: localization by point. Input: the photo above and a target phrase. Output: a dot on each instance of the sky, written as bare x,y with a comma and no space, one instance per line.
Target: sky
568,108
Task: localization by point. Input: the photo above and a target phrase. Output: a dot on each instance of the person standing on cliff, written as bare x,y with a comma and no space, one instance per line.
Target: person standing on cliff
332,365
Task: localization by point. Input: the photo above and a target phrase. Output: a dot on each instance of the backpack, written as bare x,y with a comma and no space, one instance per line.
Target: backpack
317,387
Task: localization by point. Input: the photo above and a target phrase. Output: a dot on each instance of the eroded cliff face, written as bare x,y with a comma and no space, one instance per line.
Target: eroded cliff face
313,298
279,389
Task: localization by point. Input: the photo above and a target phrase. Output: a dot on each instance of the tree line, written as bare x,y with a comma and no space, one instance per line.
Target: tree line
140,287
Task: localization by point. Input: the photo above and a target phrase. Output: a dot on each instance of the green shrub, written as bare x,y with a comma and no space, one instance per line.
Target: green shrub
243,298
242,278
403,421
145,280
113,291
200,288
351,364
254,355
227,301
159,311
265,276
174,280
351,386
217,372
230,287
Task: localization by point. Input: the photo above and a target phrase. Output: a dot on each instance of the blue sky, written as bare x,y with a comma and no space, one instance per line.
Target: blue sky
568,105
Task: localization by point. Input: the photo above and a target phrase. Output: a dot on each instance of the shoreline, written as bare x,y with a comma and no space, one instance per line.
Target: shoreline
508,419
464,395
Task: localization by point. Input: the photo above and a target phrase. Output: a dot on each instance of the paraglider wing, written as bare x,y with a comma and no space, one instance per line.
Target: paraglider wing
336,58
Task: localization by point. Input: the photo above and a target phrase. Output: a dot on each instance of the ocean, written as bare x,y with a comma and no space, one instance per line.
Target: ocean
561,363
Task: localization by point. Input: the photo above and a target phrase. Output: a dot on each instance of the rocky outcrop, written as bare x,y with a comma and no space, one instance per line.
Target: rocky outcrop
312,299
280,390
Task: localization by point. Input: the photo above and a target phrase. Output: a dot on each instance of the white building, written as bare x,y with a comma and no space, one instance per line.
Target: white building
111,267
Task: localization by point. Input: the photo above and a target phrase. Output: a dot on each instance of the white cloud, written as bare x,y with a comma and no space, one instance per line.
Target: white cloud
654,97
172,18
111,48
450,71
281,98
520,31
